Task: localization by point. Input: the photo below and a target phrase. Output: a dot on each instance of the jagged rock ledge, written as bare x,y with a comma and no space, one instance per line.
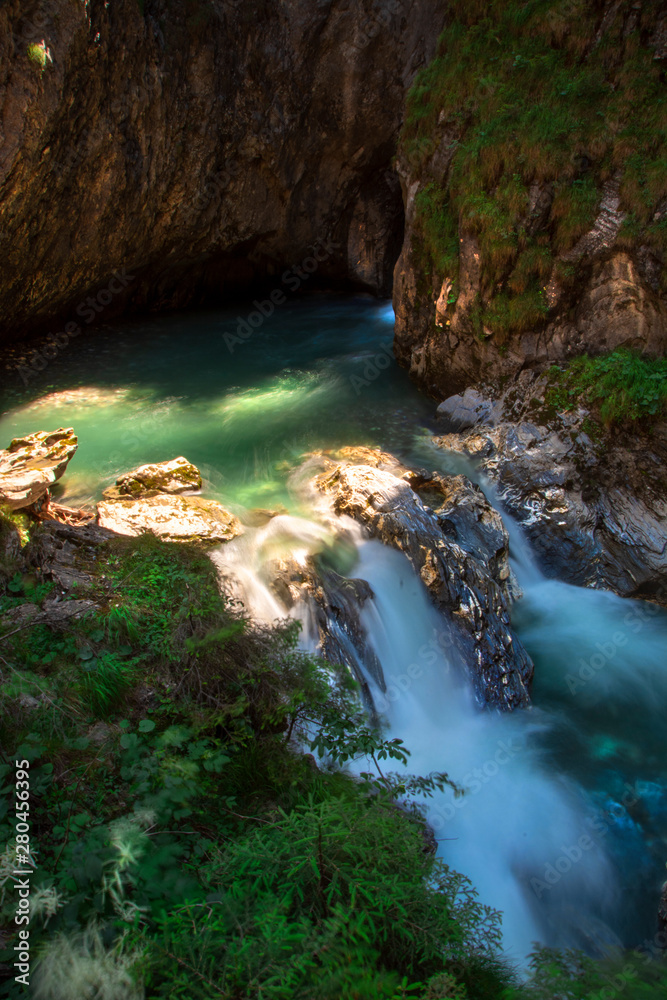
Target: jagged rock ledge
31,464
457,545
594,511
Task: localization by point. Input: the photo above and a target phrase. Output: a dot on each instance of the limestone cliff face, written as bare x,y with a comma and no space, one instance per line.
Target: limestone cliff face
197,147
534,180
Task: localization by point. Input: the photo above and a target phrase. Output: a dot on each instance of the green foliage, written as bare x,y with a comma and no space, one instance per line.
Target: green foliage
507,313
20,589
524,97
622,386
439,229
188,847
639,975
325,899
190,809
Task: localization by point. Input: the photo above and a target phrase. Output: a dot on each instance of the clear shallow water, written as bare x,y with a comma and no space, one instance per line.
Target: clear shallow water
316,374
588,761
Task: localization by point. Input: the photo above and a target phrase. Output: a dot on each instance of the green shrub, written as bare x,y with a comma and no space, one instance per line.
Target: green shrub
439,229
188,846
572,975
323,901
191,809
622,386
515,313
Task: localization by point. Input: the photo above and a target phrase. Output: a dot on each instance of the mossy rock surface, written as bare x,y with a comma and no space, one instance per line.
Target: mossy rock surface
177,476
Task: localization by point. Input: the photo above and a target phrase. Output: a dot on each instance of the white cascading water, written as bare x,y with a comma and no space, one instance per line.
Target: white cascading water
517,819
514,817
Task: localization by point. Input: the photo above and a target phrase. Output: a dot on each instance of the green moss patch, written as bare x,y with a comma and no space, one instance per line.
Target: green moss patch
622,387
537,95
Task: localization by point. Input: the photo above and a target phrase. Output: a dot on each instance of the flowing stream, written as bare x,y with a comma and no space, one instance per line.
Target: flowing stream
563,823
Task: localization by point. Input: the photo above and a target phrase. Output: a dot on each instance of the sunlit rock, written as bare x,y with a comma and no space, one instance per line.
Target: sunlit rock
169,517
33,463
176,476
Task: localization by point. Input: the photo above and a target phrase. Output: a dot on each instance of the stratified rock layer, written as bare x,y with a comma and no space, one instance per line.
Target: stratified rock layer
498,271
595,513
33,463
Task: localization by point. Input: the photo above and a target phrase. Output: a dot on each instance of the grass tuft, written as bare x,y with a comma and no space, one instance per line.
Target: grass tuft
622,386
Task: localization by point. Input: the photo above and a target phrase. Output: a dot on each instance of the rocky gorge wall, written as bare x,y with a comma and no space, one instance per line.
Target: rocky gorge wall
533,169
194,148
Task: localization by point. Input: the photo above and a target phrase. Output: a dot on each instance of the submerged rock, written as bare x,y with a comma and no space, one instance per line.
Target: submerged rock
470,584
257,517
33,463
169,517
176,476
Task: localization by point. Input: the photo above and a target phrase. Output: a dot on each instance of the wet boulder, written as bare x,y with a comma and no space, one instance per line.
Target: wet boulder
334,604
466,409
467,518
594,511
460,580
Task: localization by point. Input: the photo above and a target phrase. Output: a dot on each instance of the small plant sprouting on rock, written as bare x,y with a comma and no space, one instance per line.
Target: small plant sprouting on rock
40,54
